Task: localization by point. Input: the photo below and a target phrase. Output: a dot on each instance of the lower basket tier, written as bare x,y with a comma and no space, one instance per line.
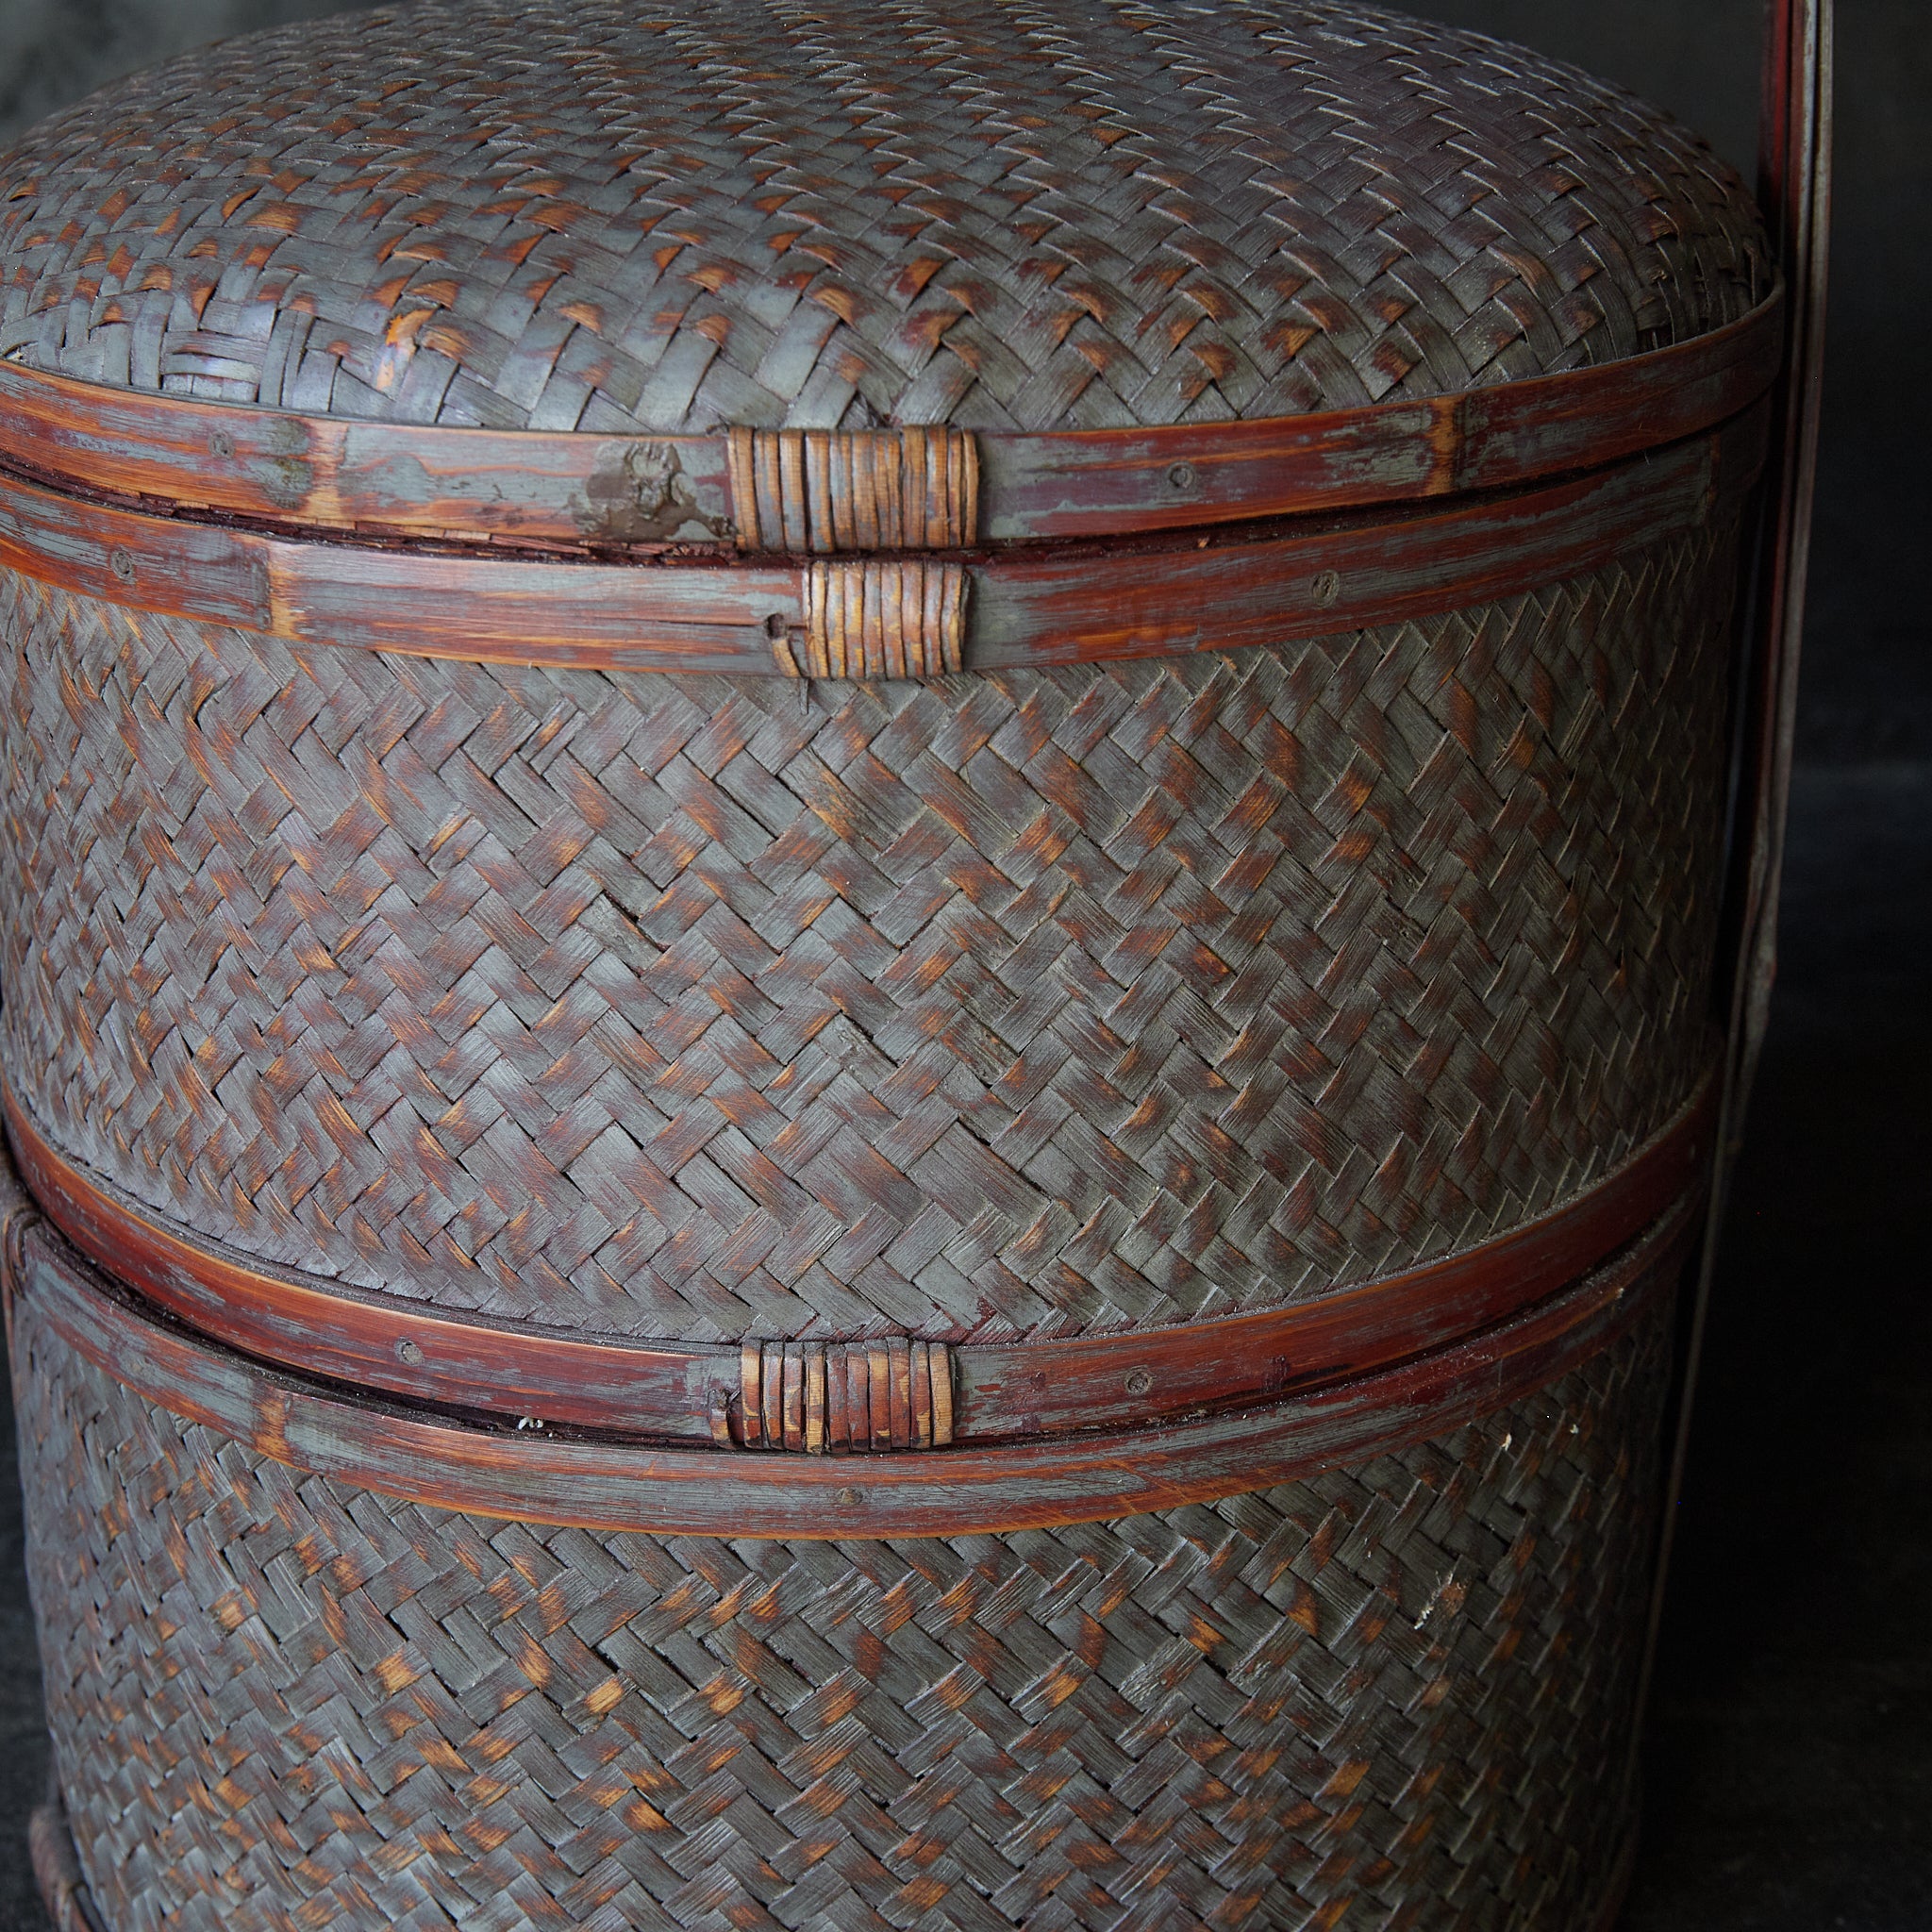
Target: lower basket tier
1396,1693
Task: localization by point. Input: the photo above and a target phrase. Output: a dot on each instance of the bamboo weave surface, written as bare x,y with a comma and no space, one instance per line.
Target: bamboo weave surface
1013,216
1024,1003
1400,1692
1030,1002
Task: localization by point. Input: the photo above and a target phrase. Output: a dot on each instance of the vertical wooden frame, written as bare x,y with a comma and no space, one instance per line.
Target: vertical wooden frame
1794,190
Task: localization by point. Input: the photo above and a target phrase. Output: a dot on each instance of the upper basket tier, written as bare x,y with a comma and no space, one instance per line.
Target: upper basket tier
1198,551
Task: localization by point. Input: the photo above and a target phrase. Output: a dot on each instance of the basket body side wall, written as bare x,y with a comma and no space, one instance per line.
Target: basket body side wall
1404,1688
1021,1002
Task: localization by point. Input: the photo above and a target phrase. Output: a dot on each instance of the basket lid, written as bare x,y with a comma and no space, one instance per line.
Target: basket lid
587,217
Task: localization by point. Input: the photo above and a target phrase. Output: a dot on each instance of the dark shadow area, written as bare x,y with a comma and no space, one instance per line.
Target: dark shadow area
1790,1759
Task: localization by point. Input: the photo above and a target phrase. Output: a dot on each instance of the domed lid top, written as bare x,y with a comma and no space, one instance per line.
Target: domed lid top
1004,214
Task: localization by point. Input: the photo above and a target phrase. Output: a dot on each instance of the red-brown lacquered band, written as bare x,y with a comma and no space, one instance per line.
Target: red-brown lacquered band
670,1390
1161,596
545,1478
644,491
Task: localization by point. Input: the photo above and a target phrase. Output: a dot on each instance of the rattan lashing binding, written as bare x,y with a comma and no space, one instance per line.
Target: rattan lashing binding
821,490
882,618
905,490
57,1870
838,1398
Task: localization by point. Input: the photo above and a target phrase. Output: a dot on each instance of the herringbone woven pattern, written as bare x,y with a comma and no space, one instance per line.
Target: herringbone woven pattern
1002,214
1394,1695
1019,1003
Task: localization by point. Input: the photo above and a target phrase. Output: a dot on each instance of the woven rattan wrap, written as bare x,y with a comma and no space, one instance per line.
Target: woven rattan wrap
1003,215
1400,1692
1023,1003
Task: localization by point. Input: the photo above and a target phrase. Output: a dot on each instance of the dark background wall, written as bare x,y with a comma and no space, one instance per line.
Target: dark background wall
1790,1770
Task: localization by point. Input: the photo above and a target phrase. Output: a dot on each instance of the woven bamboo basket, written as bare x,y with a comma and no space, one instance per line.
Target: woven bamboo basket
864,930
